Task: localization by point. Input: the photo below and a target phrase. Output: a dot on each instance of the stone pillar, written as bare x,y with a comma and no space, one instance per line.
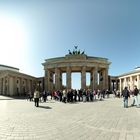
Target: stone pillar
57,79
68,79
101,82
95,79
61,80
11,86
124,84
83,78
15,85
20,87
47,80
138,81
4,86
113,86
131,83
120,85
92,79
105,78
116,84
8,84
51,81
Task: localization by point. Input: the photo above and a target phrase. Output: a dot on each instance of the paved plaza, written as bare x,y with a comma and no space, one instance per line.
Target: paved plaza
100,120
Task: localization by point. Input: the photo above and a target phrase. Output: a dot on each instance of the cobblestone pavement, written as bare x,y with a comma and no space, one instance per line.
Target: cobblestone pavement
100,120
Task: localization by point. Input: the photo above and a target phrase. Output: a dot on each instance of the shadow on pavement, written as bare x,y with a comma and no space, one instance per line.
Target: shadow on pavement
45,107
7,99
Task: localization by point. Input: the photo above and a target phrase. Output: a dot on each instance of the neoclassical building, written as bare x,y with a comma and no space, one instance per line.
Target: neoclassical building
12,82
130,79
76,62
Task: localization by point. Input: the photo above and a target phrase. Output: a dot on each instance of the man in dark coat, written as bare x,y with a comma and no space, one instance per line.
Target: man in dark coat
125,94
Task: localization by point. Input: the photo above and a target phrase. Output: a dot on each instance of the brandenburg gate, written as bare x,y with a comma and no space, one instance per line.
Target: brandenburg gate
76,61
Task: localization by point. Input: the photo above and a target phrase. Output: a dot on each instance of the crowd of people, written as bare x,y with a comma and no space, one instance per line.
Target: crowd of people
82,95
79,95
68,96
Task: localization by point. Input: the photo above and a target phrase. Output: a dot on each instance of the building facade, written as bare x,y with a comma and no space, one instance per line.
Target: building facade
96,66
130,79
12,82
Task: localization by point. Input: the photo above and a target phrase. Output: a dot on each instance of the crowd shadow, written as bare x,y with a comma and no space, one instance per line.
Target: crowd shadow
7,99
45,107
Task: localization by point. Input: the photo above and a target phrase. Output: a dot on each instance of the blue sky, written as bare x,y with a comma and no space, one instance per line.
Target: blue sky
34,30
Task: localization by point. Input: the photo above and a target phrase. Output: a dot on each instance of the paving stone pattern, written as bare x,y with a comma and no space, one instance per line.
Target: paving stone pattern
100,120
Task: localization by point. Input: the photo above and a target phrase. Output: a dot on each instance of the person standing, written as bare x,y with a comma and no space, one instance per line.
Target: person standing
135,96
64,96
44,96
36,98
125,94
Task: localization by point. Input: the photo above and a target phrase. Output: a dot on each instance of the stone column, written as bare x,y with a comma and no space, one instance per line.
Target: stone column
113,86
20,87
95,79
101,79
14,85
105,78
60,80
7,85
4,86
68,79
131,83
11,86
124,84
57,79
138,81
92,79
1,86
116,84
120,85
83,78
47,79
51,80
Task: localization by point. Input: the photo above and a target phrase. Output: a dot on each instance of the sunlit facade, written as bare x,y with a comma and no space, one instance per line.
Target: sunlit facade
12,82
